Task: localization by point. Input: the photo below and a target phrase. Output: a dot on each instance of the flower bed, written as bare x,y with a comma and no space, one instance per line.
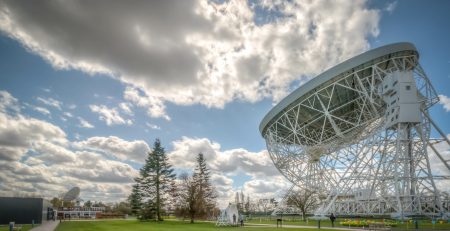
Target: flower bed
366,222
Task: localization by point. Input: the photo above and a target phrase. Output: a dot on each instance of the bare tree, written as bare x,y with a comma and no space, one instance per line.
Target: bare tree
303,199
196,194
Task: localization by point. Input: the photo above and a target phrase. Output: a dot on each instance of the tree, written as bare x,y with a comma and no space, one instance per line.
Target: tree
197,195
87,204
121,208
206,197
135,200
303,199
188,197
156,177
56,202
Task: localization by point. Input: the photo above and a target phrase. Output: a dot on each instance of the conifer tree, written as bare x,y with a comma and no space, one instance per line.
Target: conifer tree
206,193
156,179
135,199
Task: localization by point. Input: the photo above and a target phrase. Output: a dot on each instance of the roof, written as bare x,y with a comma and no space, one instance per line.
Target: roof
329,75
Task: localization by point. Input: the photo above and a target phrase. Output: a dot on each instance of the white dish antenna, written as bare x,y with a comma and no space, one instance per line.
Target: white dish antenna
72,194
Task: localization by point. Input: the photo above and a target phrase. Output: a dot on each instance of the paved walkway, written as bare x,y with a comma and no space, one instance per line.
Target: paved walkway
46,226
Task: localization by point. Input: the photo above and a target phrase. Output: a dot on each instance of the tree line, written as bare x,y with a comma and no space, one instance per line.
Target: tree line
158,190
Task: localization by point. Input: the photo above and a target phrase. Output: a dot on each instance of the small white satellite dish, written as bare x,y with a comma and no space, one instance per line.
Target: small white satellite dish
71,194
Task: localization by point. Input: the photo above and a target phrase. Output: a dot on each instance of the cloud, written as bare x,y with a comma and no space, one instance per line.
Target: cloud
126,108
155,106
84,123
194,52
152,126
110,115
53,154
42,110
50,102
8,102
17,133
445,101
37,159
265,180
135,150
68,114
390,7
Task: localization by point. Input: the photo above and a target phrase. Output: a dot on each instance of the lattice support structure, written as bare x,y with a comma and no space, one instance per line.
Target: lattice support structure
344,149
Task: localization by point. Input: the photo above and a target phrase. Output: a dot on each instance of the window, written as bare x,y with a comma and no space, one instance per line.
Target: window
407,87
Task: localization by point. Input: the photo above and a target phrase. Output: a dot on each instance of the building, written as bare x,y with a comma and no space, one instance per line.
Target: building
25,210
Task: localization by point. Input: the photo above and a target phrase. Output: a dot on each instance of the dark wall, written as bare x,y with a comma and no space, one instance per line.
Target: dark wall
21,210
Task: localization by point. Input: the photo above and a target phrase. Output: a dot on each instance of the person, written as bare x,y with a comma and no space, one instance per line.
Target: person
242,220
234,219
332,218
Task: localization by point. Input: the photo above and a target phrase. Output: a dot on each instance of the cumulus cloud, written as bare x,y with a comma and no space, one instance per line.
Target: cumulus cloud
37,159
265,180
110,115
8,102
17,133
126,108
155,106
84,123
135,150
445,101
193,52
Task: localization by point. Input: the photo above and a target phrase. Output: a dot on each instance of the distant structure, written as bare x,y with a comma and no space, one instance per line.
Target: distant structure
77,212
359,134
226,216
24,210
72,195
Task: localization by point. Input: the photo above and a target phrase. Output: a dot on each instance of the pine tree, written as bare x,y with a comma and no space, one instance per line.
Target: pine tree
135,199
206,193
156,179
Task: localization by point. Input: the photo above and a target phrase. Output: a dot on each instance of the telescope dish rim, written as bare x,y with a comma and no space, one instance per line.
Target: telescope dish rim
330,74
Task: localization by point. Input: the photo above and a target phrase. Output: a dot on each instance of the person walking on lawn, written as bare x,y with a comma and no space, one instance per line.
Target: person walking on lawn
332,218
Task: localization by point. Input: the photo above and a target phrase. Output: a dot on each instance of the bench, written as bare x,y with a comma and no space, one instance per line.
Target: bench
378,226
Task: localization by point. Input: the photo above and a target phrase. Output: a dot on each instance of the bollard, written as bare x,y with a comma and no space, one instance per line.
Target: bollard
318,224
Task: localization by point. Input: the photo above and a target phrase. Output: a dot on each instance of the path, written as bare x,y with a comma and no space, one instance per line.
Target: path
46,226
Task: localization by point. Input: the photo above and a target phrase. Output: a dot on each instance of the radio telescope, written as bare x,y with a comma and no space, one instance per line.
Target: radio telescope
359,134
72,195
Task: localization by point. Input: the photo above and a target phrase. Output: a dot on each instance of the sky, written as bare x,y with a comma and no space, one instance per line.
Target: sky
86,87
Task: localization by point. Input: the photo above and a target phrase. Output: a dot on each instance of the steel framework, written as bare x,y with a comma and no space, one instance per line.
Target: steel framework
334,140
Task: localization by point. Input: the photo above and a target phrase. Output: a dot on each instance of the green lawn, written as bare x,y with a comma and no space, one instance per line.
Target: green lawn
155,226
6,227
424,224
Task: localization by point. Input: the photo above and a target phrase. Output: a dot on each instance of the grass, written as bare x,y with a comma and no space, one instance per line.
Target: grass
423,224
24,227
113,225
